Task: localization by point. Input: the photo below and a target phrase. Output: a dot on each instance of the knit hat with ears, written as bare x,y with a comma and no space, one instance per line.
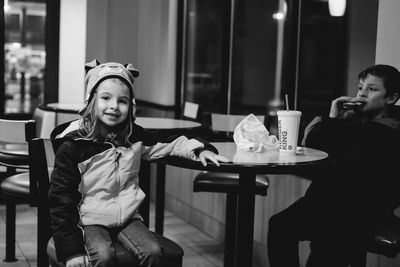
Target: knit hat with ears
96,73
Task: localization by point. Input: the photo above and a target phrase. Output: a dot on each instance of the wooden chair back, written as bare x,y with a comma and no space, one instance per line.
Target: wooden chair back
45,122
17,131
191,111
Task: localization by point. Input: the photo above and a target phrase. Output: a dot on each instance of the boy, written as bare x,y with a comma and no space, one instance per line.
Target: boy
344,205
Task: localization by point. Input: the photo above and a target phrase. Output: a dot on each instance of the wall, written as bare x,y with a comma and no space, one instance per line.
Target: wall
142,32
363,17
157,46
388,41
72,50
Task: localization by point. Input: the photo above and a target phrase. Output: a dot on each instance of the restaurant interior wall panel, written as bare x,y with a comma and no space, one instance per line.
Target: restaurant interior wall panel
96,38
72,53
112,31
363,16
141,32
157,45
388,42
123,29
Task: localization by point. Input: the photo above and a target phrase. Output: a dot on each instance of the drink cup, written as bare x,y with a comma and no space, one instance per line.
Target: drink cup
288,130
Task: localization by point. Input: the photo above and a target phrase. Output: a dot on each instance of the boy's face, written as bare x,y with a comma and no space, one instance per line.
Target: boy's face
373,92
112,102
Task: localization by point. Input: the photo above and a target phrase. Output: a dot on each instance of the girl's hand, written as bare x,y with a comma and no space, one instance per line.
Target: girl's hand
208,155
79,261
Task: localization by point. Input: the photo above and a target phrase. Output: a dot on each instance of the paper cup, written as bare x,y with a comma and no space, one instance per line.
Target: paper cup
288,130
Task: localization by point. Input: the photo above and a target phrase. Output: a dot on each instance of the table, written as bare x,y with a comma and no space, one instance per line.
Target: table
247,165
67,107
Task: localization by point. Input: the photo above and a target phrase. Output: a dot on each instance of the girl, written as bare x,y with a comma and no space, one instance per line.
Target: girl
94,194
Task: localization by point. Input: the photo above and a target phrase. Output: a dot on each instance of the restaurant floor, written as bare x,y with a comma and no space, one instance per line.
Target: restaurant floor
200,249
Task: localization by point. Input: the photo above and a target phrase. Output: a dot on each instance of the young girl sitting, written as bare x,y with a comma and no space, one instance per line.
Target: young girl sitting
94,192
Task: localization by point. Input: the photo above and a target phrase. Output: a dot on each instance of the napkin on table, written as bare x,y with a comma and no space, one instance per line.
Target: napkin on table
251,135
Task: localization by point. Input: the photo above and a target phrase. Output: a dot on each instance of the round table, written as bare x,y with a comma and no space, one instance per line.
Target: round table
153,123
248,165
67,107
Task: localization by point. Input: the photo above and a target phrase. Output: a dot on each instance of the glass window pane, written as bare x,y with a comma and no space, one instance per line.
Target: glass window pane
203,56
24,56
254,56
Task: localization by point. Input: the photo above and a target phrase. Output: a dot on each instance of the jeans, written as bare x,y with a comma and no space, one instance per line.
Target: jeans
134,236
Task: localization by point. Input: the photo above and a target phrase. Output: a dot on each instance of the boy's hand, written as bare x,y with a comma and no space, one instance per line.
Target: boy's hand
208,155
341,107
79,261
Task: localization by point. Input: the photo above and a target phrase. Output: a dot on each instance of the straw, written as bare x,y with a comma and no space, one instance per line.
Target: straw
287,102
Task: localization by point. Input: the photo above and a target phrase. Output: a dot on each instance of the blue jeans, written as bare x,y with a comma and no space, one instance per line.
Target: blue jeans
134,236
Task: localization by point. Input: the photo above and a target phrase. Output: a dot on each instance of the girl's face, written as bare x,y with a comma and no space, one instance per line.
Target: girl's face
372,91
112,101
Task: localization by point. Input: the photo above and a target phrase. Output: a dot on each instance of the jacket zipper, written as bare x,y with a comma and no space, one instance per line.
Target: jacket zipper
118,185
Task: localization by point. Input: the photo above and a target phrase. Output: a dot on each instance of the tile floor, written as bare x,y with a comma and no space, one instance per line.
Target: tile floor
200,249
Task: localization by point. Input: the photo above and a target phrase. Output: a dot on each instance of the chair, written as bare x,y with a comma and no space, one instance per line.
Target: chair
386,241
222,127
45,122
191,111
41,154
14,188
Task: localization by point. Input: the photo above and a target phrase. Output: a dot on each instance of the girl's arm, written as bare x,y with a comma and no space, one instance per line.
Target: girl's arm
64,199
194,148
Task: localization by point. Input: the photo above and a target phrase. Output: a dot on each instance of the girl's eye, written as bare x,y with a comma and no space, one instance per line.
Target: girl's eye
105,97
360,88
124,101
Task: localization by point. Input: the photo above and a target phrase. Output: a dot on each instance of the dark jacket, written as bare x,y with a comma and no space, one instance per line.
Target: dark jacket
364,163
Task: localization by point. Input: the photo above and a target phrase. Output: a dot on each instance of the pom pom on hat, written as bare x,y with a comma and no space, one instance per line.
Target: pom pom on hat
97,72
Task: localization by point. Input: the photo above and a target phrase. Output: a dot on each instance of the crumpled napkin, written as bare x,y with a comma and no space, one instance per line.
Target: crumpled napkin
251,135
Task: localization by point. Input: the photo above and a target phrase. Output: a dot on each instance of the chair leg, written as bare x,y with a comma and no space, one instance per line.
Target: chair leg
10,233
160,198
43,237
230,229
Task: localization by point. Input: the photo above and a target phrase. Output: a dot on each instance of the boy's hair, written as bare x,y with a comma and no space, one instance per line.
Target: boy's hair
389,75
89,127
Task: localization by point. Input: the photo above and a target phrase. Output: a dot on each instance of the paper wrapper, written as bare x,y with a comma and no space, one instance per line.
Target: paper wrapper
251,135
